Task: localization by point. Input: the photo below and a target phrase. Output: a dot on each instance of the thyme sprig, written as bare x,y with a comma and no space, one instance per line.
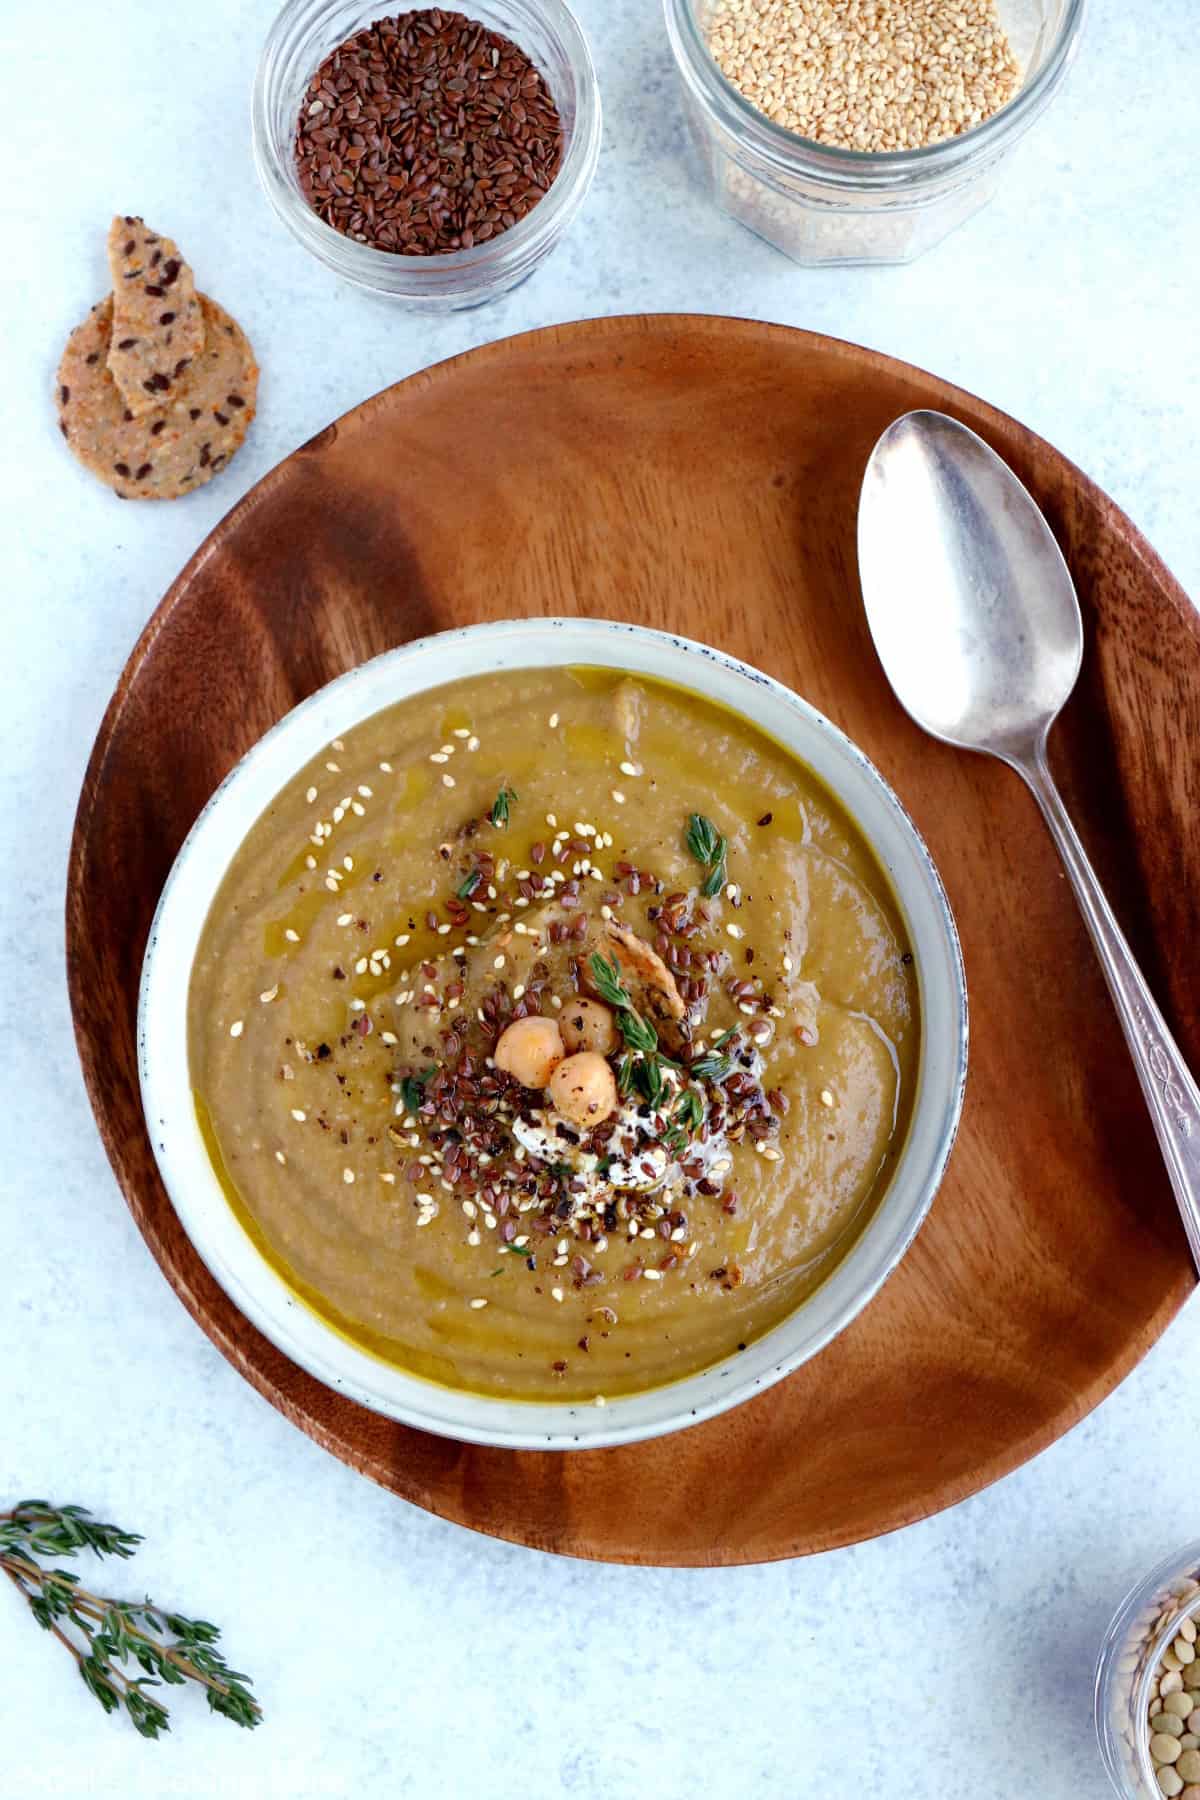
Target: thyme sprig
709,848
106,1636
504,800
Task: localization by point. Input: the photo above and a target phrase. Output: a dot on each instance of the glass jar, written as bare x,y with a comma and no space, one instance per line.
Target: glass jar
547,31
1147,1624
821,205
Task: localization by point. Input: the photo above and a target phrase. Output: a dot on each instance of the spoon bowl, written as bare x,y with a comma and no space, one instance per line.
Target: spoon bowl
970,602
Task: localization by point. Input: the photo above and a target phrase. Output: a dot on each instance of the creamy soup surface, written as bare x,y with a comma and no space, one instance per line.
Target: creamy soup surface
554,1034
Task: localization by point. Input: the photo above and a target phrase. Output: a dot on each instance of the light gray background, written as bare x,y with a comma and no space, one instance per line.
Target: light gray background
397,1655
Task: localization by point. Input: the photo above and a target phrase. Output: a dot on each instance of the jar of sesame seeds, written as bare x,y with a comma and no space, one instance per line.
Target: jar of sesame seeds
896,158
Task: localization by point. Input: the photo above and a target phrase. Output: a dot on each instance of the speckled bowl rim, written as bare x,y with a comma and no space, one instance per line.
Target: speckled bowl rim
183,1161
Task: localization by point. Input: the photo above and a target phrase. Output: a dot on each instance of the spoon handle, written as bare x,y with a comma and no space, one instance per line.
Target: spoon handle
1171,1093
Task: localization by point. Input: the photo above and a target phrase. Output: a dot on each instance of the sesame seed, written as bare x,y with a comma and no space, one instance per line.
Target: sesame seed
553,721
268,994
299,1114
337,744
333,768
237,1028
652,1274
358,1006
443,930
360,967
886,75
551,821
401,940
770,1155
358,809
628,768
293,937
472,743
478,1303
600,1400
498,961
347,862
618,796
311,795
331,883
281,1158
826,1097
386,1175
735,931
345,918
310,862
439,756
388,1037
348,1177
474,1239
461,731
386,767
787,965
557,1294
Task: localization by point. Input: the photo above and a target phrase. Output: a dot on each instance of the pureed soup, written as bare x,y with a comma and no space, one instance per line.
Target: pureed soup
554,1034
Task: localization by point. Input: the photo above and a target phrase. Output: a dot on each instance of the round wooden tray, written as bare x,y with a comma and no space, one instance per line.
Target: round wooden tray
702,475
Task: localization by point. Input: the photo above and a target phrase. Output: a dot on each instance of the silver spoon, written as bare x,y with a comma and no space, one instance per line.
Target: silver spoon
977,626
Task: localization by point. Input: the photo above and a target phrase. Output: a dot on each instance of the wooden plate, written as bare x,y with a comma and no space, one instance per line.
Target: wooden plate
702,475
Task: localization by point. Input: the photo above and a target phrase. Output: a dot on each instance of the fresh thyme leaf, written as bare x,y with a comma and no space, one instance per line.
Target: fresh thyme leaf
467,888
500,806
607,976
689,1110
168,1648
720,1041
638,1033
412,1088
710,1067
707,846
703,838
603,1165
675,1139
625,1075
648,1077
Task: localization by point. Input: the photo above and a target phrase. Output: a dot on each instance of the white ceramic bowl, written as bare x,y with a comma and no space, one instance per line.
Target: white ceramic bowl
192,885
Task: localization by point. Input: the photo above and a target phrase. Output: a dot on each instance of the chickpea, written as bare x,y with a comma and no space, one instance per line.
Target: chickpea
588,1025
530,1050
583,1089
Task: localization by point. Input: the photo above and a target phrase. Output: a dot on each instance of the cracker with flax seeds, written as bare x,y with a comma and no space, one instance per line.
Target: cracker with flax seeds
157,326
192,433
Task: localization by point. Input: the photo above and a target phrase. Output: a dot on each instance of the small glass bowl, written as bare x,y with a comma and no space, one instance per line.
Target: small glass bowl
1147,1623
304,33
821,205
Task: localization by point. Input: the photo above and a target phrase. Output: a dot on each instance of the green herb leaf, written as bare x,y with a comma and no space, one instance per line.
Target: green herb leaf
720,1041
648,1077
709,847
689,1110
607,976
412,1088
500,806
638,1033
467,888
704,840
625,1070
710,1067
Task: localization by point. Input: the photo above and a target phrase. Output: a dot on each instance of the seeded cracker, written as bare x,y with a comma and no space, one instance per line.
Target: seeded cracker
187,439
157,327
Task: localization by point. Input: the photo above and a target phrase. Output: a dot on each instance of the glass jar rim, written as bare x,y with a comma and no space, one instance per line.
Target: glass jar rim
446,269
1170,1570
788,150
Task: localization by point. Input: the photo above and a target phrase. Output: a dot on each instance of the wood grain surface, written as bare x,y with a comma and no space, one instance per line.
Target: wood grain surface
701,475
